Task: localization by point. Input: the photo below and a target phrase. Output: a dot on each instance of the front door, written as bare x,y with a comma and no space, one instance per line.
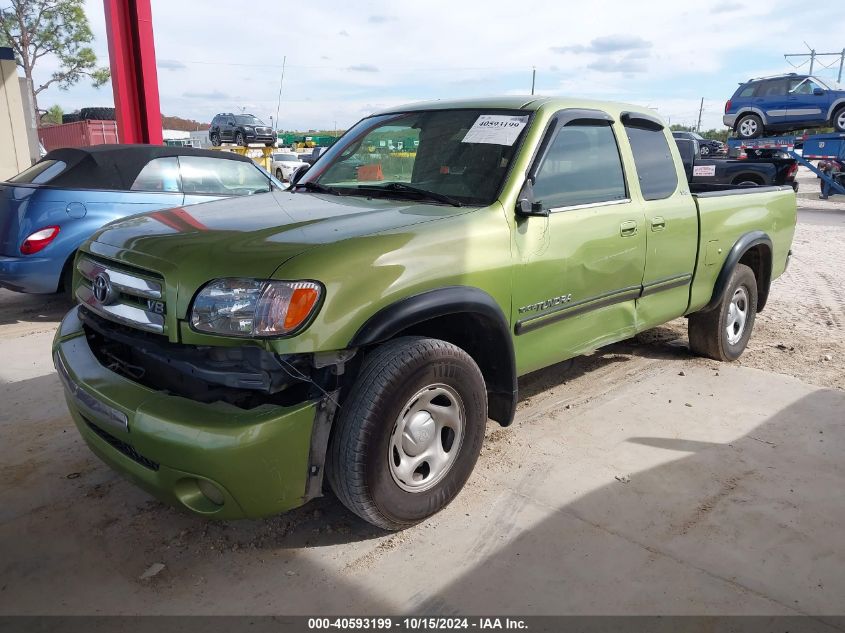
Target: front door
807,103
581,266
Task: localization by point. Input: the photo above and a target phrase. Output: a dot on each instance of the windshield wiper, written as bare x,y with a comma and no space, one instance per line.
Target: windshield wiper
401,187
315,186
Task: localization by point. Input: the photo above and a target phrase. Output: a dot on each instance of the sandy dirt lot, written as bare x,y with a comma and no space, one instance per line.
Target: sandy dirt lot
635,480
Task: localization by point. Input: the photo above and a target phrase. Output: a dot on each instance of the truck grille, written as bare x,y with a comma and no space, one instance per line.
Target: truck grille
123,296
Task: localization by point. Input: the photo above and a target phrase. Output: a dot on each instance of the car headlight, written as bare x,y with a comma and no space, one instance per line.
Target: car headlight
248,128
254,307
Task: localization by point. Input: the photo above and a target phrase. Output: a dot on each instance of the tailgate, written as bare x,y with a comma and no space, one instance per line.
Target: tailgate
726,216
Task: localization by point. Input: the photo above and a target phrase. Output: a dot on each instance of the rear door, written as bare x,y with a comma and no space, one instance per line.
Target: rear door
227,129
771,98
580,267
671,221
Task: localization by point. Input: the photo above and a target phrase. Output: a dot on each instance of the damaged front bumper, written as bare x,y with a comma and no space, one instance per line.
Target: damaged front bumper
214,458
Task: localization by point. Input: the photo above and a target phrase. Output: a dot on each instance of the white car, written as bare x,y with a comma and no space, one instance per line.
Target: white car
283,165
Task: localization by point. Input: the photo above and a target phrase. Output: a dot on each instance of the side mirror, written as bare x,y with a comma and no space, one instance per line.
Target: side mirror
525,204
818,91
298,173
527,208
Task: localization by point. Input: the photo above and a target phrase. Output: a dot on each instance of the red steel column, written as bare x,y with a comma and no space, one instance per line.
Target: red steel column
129,25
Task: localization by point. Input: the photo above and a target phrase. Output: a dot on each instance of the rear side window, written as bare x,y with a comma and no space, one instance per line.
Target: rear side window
160,174
773,88
221,177
747,91
582,166
655,165
41,173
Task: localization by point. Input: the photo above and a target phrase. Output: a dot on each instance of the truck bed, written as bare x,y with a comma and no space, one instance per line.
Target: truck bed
765,211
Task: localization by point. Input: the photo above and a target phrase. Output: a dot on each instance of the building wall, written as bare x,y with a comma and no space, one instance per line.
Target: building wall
14,142
31,118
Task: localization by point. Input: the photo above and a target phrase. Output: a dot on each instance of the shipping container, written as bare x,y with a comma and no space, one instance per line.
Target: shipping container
79,134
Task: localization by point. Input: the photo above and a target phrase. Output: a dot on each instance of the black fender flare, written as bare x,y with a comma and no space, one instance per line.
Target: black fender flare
500,373
740,247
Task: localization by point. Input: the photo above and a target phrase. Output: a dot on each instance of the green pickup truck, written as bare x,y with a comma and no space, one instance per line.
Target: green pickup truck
360,329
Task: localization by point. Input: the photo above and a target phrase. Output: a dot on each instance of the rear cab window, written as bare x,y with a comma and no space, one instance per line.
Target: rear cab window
656,168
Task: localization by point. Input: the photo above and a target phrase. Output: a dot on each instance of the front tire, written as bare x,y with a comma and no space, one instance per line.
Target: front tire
239,140
409,434
723,333
704,150
749,126
215,140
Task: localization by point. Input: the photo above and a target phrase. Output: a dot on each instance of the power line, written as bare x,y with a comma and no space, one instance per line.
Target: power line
813,55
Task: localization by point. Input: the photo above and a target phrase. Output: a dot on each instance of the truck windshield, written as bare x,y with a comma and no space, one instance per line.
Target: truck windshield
456,156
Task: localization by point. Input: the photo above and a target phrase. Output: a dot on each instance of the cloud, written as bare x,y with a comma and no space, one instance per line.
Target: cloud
170,64
624,65
380,19
343,33
607,44
363,68
726,7
216,94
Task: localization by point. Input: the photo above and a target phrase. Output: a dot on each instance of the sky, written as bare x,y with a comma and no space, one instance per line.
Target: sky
345,60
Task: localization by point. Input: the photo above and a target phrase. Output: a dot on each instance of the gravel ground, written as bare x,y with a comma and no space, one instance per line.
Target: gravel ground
801,332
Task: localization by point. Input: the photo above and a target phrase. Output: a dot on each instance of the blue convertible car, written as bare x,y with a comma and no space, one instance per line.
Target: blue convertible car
49,210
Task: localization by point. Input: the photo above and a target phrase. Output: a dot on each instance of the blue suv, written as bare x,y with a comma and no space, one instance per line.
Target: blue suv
785,103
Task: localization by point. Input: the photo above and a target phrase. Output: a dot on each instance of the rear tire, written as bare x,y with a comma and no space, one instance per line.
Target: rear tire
839,120
749,126
215,140
723,333
408,436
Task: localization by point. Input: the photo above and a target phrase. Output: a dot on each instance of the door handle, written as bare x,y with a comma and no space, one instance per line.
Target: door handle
658,224
628,228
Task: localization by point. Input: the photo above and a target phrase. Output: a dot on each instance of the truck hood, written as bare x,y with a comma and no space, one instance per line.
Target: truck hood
252,236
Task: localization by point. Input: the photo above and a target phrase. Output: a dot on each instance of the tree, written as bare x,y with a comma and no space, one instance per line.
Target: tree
54,115
36,29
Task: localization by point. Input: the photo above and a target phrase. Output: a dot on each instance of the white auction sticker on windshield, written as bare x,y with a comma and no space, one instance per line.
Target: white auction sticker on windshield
495,129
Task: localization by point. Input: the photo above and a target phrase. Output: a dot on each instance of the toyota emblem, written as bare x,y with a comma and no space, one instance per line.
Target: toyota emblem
103,291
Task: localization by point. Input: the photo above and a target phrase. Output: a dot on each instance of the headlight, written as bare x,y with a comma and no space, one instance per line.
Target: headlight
248,127
254,307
